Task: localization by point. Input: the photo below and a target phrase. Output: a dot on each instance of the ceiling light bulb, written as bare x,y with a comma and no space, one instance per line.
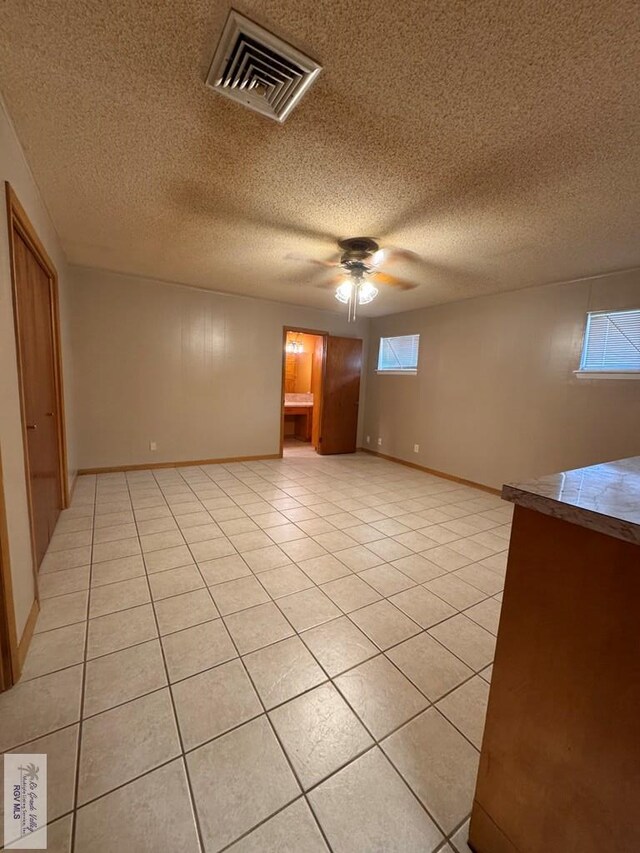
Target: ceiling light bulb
367,293
343,293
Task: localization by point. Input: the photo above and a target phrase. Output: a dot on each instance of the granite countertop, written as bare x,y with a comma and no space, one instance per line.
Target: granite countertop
298,399
602,497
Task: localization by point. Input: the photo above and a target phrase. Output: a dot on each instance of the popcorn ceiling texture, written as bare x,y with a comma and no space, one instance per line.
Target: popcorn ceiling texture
497,139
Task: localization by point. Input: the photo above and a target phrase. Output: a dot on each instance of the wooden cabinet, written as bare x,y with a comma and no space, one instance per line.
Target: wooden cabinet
303,418
560,764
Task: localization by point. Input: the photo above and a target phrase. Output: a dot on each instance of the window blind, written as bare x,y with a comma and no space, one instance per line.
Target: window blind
612,342
399,354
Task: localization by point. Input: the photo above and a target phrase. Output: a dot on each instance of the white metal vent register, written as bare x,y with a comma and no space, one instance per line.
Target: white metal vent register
259,70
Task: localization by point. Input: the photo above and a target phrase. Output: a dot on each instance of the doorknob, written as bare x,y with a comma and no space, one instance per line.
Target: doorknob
32,426
49,414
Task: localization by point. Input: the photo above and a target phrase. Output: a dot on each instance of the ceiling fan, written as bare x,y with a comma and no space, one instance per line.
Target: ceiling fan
360,261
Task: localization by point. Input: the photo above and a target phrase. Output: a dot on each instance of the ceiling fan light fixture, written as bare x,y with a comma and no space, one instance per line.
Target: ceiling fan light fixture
354,291
366,293
344,291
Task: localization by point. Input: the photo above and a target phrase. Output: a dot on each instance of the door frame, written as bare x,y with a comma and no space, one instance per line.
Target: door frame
285,330
17,219
9,654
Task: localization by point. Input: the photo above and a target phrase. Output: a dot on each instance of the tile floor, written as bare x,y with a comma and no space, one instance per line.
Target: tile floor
290,655
298,449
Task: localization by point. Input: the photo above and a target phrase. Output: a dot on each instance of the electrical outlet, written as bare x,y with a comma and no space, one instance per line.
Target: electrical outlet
368,439
379,441
153,445
416,448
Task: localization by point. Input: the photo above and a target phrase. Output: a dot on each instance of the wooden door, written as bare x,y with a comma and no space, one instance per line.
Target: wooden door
340,395
36,348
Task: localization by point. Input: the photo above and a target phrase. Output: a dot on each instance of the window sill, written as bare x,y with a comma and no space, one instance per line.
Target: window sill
397,372
607,374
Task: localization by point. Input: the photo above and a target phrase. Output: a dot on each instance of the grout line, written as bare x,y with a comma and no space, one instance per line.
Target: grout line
378,651
275,733
82,694
376,742
328,678
164,763
268,818
343,614
168,685
328,516
457,828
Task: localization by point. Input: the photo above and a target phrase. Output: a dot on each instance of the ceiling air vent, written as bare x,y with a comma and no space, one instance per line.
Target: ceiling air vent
259,70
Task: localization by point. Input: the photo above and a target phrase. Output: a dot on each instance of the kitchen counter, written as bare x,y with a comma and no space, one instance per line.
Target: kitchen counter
602,497
561,748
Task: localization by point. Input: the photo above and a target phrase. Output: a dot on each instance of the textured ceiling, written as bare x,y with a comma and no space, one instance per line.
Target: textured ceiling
499,140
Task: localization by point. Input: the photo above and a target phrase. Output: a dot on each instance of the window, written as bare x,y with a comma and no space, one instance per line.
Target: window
611,343
399,354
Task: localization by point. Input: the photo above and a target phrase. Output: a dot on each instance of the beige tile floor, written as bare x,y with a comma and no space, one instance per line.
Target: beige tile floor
290,655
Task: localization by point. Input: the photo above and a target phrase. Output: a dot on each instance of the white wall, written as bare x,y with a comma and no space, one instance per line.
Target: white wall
197,372
495,398
14,168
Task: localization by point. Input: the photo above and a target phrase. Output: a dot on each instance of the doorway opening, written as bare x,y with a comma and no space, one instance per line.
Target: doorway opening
302,381
320,393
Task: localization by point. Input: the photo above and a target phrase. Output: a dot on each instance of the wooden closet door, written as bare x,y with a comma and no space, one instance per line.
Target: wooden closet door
35,317
340,395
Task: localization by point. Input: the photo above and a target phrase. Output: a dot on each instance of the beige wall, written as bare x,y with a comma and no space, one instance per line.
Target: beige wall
14,168
197,372
495,398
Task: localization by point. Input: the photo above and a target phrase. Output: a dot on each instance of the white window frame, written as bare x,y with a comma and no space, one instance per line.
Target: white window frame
411,371
582,373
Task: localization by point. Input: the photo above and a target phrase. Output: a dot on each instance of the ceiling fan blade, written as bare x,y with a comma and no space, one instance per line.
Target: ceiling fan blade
392,280
293,256
391,254
334,281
